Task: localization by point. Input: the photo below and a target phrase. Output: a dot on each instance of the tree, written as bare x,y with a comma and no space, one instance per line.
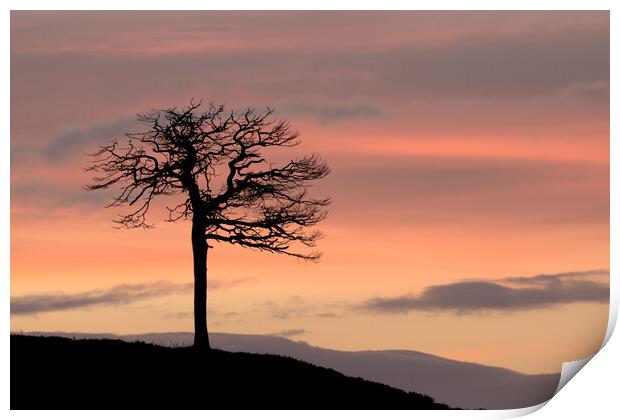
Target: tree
215,161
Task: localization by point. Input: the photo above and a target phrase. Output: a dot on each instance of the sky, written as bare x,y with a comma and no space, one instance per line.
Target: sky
470,177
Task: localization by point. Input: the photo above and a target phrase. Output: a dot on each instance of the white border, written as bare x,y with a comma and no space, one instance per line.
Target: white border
592,394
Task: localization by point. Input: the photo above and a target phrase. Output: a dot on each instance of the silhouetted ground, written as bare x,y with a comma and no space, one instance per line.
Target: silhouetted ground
60,373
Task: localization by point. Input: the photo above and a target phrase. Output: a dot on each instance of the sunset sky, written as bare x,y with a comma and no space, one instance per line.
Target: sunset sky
470,177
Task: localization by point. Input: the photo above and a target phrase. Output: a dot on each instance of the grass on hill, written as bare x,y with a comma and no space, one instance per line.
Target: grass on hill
61,373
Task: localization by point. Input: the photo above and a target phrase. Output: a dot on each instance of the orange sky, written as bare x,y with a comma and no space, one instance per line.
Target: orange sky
462,146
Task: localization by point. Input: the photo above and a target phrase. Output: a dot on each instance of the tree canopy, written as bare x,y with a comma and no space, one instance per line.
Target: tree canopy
216,160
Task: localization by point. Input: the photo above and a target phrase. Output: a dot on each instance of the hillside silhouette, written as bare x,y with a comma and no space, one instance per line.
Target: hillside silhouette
62,373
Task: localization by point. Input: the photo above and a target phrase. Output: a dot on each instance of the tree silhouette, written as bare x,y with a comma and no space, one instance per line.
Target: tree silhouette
214,159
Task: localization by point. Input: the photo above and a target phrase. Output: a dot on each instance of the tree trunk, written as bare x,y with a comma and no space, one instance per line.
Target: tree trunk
199,248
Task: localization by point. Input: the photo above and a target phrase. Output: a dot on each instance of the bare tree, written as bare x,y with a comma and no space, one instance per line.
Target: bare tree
215,161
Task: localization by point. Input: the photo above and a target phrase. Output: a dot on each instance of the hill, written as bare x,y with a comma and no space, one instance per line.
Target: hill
456,383
62,373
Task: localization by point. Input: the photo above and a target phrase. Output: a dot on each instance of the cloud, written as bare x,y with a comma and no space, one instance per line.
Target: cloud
508,294
177,315
508,82
74,141
174,33
326,315
297,307
420,65
225,284
123,294
494,66
332,113
46,196
189,315
290,333
118,295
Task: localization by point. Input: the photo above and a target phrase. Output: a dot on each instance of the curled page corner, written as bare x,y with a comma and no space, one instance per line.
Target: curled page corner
569,370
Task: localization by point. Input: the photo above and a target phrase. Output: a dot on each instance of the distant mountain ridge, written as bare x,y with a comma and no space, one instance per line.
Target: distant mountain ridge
458,384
